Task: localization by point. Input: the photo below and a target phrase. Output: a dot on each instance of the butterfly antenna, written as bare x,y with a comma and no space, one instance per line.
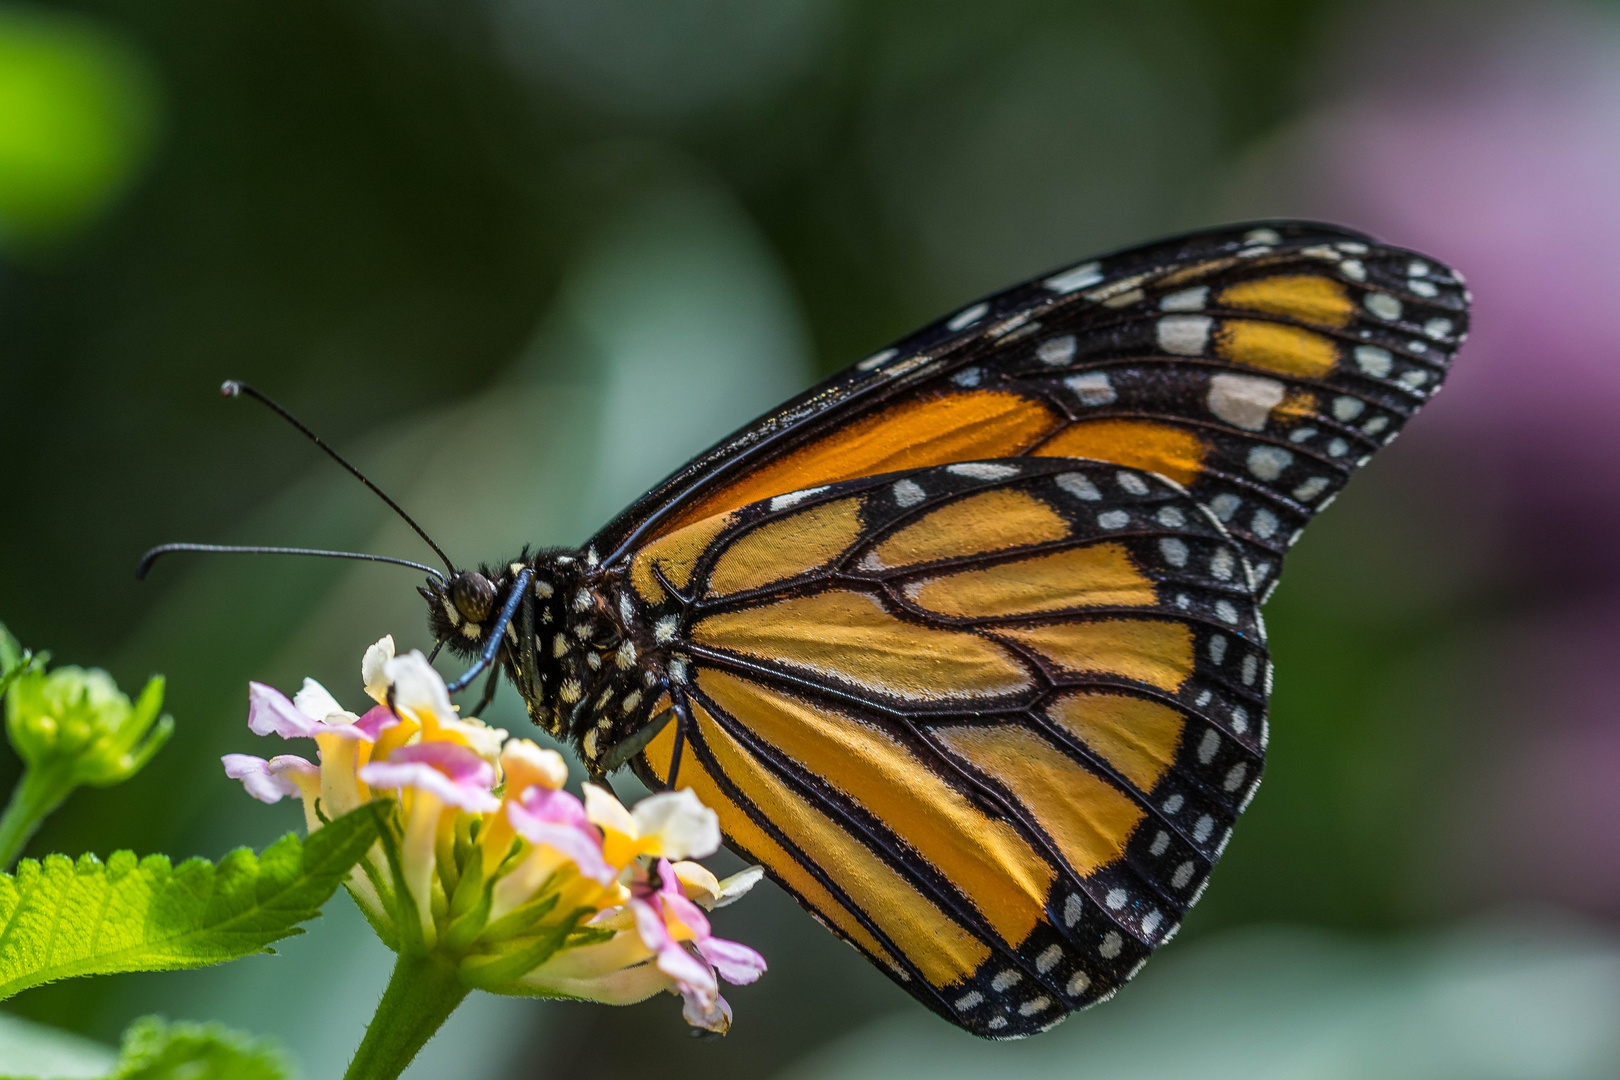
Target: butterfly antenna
232,388
241,549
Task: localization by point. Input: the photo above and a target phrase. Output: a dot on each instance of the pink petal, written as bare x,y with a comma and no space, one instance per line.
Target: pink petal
453,773
258,777
454,760
572,841
650,925
713,1016
734,962
378,718
554,806
271,712
685,912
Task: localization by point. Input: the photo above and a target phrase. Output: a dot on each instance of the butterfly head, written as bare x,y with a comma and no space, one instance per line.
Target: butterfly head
464,608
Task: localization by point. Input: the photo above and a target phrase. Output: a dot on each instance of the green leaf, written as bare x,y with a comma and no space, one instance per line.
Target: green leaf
155,1050
62,918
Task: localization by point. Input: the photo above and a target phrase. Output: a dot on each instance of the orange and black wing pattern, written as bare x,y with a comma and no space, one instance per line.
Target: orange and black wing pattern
965,642
1258,366
991,722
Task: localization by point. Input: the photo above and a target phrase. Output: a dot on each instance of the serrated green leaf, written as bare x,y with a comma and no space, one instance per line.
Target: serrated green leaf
62,918
155,1050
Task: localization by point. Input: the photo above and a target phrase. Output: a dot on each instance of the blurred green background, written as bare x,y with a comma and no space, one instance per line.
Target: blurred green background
520,258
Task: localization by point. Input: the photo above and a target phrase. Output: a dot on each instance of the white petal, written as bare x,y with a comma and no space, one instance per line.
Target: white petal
684,826
524,764
316,702
606,812
371,668
737,885
418,687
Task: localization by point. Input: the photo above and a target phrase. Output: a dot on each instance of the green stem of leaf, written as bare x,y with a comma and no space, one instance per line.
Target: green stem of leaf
422,993
38,793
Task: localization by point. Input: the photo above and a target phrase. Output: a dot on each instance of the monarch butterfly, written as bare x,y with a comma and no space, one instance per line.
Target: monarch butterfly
964,644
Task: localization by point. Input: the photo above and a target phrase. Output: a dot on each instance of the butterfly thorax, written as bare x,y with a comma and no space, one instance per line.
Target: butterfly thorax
595,667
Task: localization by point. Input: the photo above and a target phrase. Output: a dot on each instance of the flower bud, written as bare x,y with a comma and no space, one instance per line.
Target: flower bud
76,723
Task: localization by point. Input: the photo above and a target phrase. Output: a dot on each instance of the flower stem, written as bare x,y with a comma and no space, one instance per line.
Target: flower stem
422,993
38,793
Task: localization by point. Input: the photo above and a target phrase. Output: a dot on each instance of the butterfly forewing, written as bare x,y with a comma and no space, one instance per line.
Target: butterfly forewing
1257,367
990,721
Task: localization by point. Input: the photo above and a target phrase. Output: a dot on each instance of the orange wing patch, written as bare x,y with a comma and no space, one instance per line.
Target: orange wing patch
944,950
1087,818
1310,298
747,834
989,521
1152,651
849,637
787,547
676,554
1136,736
1098,575
934,431
1142,444
1286,350
986,859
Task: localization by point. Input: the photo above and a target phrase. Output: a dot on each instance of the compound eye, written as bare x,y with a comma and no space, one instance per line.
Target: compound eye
474,596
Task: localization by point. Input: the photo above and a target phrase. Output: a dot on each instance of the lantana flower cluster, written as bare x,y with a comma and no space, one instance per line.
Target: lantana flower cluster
486,859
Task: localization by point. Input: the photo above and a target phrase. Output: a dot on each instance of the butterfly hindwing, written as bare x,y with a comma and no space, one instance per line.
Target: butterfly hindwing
1258,366
990,721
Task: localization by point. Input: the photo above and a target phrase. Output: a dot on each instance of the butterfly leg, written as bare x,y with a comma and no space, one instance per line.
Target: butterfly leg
490,685
492,646
682,721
